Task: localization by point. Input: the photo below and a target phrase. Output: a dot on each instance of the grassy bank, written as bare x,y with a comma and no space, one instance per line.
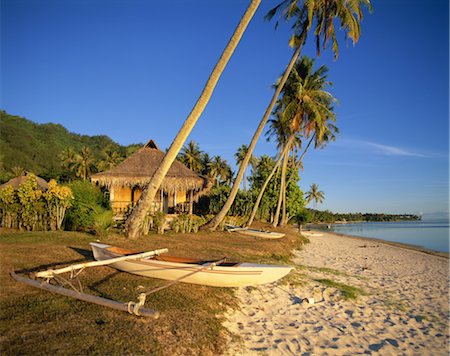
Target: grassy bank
38,322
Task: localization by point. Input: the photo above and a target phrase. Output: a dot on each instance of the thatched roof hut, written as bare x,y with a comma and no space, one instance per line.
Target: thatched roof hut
139,168
17,181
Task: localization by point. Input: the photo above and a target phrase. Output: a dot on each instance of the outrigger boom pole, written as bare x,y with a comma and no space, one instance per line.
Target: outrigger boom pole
50,273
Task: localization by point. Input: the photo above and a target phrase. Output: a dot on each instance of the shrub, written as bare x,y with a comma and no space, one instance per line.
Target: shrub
88,203
159,221
30,208
10,207
303,216
103,221
187,223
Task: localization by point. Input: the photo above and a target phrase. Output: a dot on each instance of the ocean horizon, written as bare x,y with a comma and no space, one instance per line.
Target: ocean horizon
429,234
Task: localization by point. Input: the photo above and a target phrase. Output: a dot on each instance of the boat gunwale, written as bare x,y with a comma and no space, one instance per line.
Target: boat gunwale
237,269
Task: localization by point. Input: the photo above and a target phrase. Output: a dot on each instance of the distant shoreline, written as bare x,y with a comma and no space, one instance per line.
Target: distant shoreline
375,239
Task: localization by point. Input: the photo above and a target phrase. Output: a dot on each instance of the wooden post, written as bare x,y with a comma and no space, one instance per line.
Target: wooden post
191,202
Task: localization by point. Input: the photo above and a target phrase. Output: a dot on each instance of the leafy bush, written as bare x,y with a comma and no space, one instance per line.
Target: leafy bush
103,221
303,216
159,221
187,223
88,204
32,209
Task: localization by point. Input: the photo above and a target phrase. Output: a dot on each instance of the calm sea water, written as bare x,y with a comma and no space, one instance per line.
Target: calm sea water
433,235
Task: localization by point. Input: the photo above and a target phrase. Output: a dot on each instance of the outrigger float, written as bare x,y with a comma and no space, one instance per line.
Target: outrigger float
218,273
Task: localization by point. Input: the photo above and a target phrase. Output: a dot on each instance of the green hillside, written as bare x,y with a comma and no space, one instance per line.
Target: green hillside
36,147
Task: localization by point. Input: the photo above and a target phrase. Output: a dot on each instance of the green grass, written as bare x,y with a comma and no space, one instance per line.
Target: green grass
33,321
348,292
295,278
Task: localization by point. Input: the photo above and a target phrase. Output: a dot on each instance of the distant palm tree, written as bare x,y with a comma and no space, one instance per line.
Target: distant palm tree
240,155
68,162
206,165
315,194
133,223
304,107
111,158
321,13
84,163
220,170
67,157
191,156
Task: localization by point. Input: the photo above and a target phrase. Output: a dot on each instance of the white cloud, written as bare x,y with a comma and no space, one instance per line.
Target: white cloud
393,151
386,150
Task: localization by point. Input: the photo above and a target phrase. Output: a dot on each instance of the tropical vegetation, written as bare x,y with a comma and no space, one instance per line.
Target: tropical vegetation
322,14
148,195
51,151
32,209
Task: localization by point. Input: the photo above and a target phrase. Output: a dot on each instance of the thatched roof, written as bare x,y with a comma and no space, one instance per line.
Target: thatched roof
16,182
138,169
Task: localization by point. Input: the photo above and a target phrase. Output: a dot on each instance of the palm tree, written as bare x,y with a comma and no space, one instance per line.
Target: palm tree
134,222
191,156
304,107
84,163
206,164
323,14
68,161
307,106
315,194
240,155
285,134
220,171
111,158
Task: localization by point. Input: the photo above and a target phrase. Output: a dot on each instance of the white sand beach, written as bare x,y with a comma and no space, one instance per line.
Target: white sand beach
405,311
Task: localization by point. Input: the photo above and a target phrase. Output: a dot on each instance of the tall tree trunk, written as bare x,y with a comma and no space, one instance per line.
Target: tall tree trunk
212,225
283,212
284,218
280,197
300,160
133,223
266,183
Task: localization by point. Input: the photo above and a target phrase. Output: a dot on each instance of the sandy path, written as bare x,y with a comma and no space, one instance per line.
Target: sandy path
404,313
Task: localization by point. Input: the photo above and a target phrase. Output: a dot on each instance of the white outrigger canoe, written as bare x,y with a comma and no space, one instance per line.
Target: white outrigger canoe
208,273
255,232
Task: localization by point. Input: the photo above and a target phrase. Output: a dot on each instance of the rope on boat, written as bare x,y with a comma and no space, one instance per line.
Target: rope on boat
133,308
209,265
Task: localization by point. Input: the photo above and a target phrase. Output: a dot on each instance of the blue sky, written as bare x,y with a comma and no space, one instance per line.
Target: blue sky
133,69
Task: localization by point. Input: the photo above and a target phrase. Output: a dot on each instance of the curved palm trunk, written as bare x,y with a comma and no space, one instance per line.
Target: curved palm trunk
283,211
266,183
212,225
133,224
302,156
284,218
283,182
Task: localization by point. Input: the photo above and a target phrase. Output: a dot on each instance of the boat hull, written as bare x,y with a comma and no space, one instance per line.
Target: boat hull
255,233
262,234
239,275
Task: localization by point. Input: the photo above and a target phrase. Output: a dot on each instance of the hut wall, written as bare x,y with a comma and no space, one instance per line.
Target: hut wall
120,198
181,196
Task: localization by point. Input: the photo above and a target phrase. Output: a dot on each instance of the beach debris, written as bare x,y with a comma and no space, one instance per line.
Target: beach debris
308,301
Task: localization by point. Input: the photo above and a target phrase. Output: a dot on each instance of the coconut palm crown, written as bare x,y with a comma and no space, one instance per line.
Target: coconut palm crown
315,194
